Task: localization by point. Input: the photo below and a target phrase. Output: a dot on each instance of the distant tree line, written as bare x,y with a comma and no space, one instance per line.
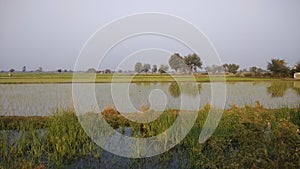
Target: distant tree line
188,63
275,68
192,62
139,68
227,68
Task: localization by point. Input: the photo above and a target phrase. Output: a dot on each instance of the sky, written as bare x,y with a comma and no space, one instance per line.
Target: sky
51,33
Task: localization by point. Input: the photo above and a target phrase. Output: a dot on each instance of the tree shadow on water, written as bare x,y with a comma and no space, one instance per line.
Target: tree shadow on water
190,89
277,89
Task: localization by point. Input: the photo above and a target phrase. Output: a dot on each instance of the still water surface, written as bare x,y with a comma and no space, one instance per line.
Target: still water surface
43,99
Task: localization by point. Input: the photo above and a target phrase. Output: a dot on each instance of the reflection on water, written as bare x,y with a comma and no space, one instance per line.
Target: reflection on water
191,89
174,90
277,89
296,87
43,99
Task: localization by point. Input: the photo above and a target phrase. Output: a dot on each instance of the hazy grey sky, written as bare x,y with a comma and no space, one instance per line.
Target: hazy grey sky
50,33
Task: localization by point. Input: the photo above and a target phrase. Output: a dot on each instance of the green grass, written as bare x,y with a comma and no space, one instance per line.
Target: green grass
20,78
248,137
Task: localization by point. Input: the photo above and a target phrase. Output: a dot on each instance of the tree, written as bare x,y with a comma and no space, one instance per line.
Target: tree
59,70
232,68
256,71
163,69
296,68
154,69
138,67
146,67
208,69
219,68
24,69
176,61
225,67
214,68
107,71
278,67
11,71
260,70
253,69
40,69
91,70
193,61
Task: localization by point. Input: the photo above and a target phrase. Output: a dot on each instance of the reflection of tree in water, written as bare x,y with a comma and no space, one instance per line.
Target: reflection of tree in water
190,89
256,83
146,85
174,90
296,87
277,89
297,90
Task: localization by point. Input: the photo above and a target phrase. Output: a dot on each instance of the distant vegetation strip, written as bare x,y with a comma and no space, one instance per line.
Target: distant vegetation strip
30,78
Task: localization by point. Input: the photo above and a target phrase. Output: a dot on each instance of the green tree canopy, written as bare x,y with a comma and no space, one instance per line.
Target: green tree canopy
24,69
176,61
154,69
296,68
163,69
253,69
138,67
232,68
225,67
40,69
90,70
146,67
193,61
278,67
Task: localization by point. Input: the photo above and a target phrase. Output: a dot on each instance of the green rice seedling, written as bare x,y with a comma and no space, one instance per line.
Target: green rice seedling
246,137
